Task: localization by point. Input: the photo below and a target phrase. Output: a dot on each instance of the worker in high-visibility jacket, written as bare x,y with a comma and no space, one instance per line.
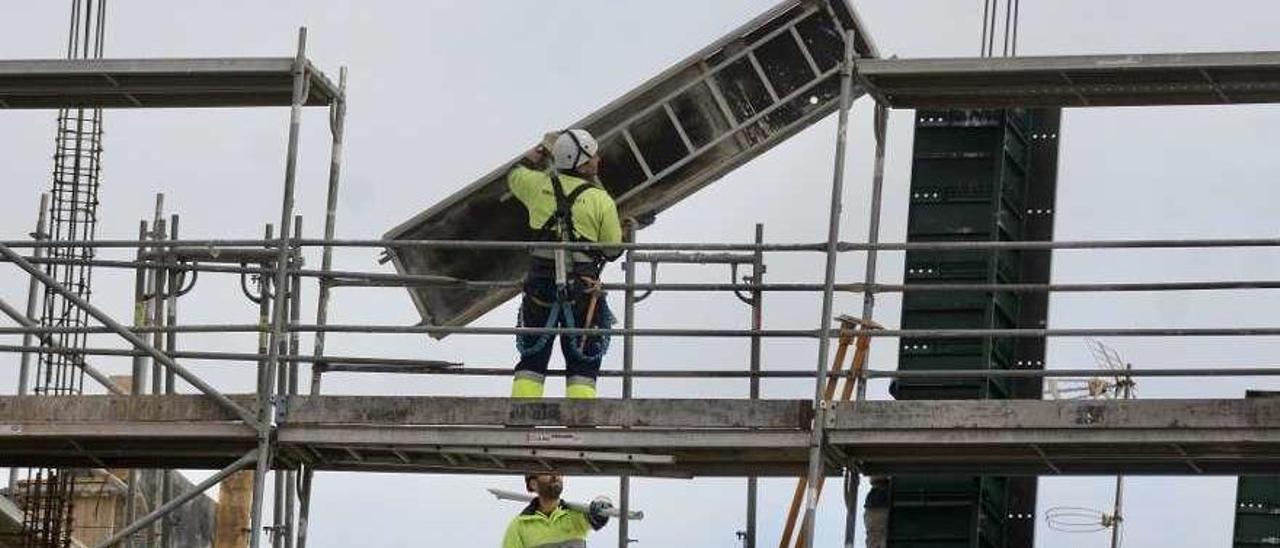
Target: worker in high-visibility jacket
548,523
555,181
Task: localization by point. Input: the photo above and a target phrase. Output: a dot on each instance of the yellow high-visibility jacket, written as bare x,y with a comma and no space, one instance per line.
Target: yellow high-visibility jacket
564,528
595,215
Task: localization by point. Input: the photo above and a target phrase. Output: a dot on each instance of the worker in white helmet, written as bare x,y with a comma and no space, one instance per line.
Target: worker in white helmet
564,203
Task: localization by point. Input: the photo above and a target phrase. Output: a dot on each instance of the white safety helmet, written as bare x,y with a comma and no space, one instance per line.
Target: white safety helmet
573,148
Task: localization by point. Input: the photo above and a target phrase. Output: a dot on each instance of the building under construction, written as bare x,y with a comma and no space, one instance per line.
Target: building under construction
961,444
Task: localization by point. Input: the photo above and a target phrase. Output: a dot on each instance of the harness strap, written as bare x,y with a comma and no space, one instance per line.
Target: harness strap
563,212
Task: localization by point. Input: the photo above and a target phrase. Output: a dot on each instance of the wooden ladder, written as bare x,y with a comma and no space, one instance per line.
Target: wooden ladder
852,331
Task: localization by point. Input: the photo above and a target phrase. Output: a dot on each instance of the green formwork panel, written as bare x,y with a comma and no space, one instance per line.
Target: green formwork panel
1257,520
931,527
1263,490
983,176
1256,530
968,308
923,267
905,487
966,211
940,487
947,511
950,143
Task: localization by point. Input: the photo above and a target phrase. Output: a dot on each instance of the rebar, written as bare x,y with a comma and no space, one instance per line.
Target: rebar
73,215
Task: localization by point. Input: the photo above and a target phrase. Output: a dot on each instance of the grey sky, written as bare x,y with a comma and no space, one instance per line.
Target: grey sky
442,91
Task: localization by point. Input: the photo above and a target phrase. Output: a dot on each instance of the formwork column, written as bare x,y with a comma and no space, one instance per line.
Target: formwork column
981,176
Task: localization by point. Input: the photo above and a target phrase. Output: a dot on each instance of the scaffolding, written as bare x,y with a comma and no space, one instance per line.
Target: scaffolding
279,431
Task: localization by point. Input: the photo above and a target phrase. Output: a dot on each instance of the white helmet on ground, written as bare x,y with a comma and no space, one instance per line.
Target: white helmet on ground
573,148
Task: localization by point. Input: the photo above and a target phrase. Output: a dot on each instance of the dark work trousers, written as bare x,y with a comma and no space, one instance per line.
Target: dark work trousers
582,360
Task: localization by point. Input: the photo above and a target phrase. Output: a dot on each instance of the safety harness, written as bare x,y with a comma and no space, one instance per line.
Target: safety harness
559,227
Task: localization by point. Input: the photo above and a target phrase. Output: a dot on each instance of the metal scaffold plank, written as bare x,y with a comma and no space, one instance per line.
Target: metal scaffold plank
157,83
657,413
1008,437
1075,81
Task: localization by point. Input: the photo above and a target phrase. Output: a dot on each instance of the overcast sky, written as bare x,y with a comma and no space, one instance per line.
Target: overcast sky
443,91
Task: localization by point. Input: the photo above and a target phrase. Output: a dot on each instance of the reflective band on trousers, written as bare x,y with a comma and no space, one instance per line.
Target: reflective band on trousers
580,380
530,375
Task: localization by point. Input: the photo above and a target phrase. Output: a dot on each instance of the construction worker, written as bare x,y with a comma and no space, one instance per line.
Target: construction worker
548,522
555,181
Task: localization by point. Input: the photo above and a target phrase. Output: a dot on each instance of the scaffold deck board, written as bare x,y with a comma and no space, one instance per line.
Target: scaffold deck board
1075,81
157,83
654,437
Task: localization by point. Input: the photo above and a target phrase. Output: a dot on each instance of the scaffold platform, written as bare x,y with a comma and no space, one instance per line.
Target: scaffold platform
653,437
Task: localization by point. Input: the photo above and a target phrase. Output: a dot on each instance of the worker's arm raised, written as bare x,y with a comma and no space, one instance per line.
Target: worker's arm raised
525,182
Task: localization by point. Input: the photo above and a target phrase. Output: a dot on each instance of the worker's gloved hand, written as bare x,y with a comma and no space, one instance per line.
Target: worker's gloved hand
535,158
596,512
549,140
539,156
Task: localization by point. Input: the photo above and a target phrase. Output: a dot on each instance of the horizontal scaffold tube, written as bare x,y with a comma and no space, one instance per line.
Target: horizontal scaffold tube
378,279
696,247
368,364
675,332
